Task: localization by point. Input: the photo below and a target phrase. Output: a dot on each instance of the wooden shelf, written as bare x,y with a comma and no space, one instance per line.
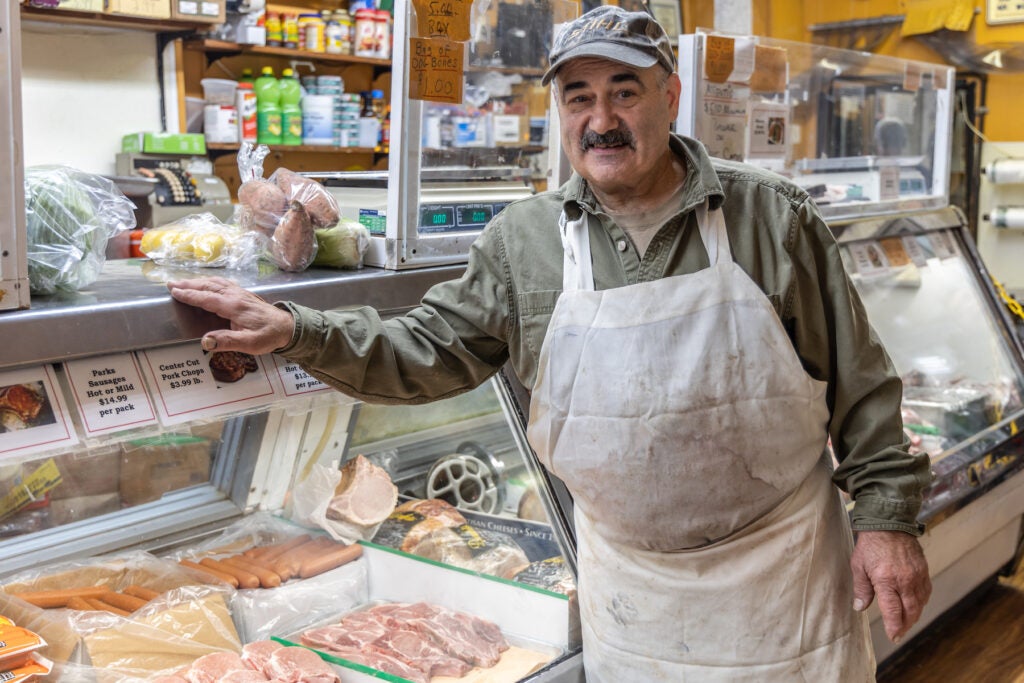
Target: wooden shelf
327,149
211,46
103,19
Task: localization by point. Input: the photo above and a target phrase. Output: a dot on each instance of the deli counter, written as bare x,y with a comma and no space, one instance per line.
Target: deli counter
130,459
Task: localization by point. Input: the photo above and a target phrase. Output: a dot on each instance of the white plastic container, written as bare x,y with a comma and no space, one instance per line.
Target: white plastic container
219,90
318,120
220,123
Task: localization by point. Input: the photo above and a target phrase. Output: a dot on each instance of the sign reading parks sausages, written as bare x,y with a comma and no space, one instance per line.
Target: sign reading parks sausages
109,393
189,383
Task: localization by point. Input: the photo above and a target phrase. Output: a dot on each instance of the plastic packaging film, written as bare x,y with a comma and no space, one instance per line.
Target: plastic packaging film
1008,217
1005,171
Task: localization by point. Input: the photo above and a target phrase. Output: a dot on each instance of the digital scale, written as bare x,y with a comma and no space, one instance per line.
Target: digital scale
454,206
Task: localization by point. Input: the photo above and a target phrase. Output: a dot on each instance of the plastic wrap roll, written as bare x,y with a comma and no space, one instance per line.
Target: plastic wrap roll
1008,217
1005,171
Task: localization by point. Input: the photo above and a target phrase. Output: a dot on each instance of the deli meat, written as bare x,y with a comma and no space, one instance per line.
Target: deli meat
212,668
256,655
365,496
299,665
427,640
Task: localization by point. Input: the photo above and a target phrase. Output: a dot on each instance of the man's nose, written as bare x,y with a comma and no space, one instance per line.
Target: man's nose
603,118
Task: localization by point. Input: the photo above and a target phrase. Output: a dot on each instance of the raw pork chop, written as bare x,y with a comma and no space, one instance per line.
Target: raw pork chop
211,668
299,665
256,655
421,653
381,662
365,496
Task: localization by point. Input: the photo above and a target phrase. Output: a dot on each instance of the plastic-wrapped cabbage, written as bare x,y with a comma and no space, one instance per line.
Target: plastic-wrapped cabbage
341,246
70,215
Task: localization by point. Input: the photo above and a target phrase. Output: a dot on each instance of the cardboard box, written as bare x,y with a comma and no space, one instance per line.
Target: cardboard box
152,467
152,9
164,143
88,474
205,11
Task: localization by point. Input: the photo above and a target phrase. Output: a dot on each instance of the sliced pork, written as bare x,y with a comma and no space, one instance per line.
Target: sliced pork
381,662
256,655
213,667
299,665
365,496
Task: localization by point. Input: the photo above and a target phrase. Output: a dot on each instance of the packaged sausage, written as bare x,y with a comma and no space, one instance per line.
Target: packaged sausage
16,646
26,670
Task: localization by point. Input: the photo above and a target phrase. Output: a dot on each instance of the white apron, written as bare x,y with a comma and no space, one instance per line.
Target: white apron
712,545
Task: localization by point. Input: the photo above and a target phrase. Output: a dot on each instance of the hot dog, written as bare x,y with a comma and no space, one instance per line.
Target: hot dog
59,598
129,603
268,579
275,551
100,605
210,571
140,592
79,604
329,560
246,579
287,566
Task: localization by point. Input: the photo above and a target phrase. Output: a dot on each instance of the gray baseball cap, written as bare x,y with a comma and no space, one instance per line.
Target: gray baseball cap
610,32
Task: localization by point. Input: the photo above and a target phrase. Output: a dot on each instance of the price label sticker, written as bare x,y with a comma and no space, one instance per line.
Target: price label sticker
295,380
189,383
109,393
436,70
33,417
443,18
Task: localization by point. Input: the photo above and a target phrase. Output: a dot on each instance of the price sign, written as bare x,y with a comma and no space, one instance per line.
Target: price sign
295,380
191,384
109,393
436,66
35,418
720,53
443,18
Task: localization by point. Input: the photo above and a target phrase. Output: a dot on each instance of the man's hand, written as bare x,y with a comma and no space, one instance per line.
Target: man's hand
891,566
257,327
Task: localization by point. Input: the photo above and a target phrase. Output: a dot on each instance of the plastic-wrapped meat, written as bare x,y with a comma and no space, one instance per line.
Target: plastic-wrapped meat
415,519
213,667
365,496
353,631
256,655
459,635
550,574
248,676
479,550
381,662
299,665
418,651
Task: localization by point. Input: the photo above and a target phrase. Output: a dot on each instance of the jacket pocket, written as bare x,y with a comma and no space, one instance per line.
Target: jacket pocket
535,309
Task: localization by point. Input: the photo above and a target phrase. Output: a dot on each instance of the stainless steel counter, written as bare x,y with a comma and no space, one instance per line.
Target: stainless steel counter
129,307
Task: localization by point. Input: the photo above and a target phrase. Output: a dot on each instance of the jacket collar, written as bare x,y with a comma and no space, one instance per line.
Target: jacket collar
701,181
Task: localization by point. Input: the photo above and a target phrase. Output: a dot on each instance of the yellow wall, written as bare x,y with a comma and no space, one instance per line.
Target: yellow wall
791,19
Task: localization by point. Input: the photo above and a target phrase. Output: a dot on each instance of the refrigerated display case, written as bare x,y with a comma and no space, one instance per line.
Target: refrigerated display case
126,448
933,305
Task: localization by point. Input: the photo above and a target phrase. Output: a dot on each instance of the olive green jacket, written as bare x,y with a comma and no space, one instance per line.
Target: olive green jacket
466,329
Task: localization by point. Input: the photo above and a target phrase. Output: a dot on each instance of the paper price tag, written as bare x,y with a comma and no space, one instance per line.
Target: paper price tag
942,244
109,393
34,418
915,251
295,380
868,258
190,384
443,18
436,70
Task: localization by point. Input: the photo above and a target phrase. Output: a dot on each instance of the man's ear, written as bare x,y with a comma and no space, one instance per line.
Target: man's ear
673,88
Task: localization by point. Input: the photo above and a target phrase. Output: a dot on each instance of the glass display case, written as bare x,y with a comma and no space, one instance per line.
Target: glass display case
864,134
470,120
934,307
131,455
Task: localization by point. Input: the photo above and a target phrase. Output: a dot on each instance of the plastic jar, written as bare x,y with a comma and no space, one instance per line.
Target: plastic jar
382,33
290,30
365,33
318,120
344,19
311,33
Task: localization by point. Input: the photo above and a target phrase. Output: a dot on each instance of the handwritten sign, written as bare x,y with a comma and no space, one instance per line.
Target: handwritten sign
436,66
723,120
718,62
295,380
443,18
769,69
110,394
190,384
38,419
895,251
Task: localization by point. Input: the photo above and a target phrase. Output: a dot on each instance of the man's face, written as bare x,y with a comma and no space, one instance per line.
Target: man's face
615,121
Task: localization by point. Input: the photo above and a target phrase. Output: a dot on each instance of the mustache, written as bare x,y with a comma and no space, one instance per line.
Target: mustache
619,136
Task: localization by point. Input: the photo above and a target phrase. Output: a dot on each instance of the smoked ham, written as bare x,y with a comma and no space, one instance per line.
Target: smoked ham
365,496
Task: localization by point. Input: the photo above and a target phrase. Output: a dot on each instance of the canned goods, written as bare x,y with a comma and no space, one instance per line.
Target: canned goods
366,33
311,33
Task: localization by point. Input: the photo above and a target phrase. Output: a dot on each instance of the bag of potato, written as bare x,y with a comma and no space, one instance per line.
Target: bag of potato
286,207
202,240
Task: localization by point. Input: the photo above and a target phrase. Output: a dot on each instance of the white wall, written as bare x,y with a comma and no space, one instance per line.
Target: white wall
82,89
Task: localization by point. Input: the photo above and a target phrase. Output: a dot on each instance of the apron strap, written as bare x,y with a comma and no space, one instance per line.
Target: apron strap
577,269
711,225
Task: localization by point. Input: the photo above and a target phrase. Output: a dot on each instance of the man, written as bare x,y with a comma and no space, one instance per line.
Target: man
691,341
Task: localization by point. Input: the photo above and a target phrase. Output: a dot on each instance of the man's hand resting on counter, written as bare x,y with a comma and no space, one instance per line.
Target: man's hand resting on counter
257,327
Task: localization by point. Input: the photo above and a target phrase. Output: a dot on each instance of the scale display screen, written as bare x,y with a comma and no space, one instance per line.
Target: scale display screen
437,218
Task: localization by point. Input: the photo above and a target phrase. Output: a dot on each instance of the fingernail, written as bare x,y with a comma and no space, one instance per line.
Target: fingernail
858,605
896,640
209,343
